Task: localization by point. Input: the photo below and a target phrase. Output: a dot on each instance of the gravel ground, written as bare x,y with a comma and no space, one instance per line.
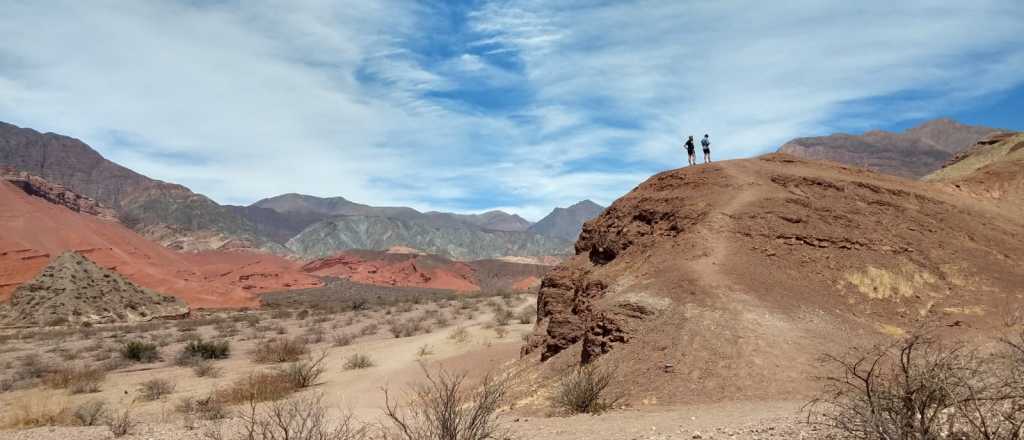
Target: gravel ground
727,421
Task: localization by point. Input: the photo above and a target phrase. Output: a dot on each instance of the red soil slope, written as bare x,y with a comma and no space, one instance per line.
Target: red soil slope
427,271
32,231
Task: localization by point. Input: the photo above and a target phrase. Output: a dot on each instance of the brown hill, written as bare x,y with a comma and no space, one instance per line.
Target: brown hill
33,229
72,289
912,153
726,281
168,213
427,271
991,170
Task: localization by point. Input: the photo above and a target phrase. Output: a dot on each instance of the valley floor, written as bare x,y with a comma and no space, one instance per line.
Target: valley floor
457,334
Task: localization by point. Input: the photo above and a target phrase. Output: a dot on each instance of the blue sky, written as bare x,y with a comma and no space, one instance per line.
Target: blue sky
466,106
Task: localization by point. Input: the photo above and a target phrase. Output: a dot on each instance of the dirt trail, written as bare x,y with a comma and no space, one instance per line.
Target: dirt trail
715,233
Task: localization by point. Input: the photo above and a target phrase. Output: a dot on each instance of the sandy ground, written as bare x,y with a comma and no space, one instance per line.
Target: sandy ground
398,364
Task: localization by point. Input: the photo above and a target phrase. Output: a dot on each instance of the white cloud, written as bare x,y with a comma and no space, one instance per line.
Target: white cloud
245,100
755,73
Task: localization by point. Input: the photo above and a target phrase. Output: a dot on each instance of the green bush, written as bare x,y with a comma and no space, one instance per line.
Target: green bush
140,351
207,349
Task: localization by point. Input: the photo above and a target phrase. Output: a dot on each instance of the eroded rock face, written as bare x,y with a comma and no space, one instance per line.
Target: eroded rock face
56,194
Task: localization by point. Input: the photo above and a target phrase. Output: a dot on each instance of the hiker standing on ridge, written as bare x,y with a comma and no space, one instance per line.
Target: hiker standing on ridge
706,146
690,151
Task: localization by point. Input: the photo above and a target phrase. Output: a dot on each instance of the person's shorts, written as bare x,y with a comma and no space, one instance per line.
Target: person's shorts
690,151
707,151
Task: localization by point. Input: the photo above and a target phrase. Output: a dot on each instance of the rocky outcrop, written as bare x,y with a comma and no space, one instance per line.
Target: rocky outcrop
740,274
56,194
991,170
566,223
912,153
457,242
74,290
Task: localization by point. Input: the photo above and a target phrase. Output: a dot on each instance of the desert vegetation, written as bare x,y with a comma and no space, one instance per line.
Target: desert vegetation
921,387
586,389
446,406
277,362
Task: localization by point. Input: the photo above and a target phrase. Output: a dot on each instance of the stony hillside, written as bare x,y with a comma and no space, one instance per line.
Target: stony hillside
567,222
72,289
912,153
991,170
338,234
168,213
727,281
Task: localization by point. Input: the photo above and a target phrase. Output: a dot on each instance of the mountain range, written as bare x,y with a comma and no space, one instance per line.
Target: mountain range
912,153
176,217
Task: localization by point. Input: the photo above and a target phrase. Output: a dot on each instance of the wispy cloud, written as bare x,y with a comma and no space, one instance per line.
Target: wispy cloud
518,104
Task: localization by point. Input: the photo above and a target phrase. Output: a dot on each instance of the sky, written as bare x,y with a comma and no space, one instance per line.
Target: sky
467,106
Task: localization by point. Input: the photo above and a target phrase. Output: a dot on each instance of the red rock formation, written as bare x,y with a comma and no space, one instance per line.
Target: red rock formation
56,194
33,230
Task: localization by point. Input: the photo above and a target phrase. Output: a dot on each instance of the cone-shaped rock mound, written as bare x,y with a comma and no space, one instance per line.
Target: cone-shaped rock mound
72,289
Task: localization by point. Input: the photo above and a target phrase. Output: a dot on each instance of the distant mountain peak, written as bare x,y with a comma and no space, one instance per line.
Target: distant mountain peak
567,222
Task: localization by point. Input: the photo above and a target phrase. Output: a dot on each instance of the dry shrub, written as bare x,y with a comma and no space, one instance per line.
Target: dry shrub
342,339
122,422
302,418
280,350
920,388
35,410
447,407
91,412
459,335
76,379
586,390
32,367
260,386
314,335
155,389
503,316
203,408
527,315
424,351
406,327
304,373
358,361
205,368
369,329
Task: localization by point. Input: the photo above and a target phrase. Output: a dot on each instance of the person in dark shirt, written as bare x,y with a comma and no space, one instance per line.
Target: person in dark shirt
705,144
690,151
